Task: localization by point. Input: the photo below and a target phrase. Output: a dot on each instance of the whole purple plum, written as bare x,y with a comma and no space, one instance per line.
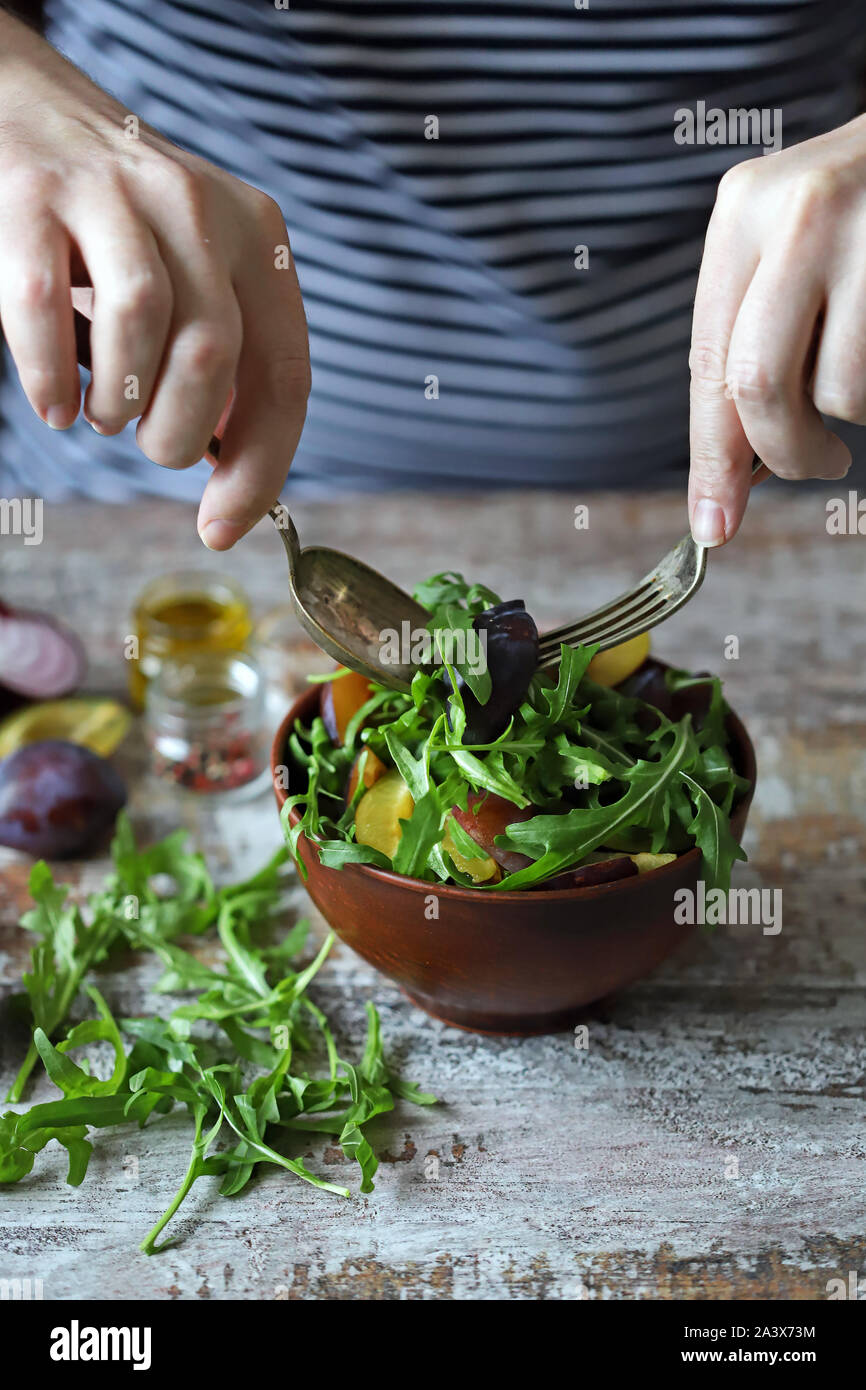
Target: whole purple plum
56,798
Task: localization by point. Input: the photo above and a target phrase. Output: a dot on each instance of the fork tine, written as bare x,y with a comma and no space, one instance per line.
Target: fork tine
597,617
678,575
618,630
634,623
600,621
658,595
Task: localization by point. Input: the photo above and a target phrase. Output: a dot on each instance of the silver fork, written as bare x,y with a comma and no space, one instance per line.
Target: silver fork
675,579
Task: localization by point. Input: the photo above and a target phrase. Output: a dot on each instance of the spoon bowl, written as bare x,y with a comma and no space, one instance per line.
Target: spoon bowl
349,609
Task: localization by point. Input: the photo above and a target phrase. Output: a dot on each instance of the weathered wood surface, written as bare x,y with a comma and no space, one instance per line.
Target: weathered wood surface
547,1172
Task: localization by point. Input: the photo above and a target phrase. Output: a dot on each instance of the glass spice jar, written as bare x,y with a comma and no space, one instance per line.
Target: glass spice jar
183,613
204,722
275,643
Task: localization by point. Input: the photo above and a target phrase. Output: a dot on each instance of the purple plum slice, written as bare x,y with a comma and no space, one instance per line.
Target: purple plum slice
511,639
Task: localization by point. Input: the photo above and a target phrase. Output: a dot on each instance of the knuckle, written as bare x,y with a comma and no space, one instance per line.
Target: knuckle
818,185
738,181
145,294
27,185
712,467
37,288
266,212
186,184
188,193
209,350
814,194
754,382
707,361
287,377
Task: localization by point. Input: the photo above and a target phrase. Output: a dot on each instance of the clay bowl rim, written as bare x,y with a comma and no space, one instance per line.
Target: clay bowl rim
634,883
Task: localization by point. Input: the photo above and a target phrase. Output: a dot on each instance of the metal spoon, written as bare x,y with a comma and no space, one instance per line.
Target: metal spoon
347,607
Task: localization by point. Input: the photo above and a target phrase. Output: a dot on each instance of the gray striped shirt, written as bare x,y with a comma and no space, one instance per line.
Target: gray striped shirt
459,335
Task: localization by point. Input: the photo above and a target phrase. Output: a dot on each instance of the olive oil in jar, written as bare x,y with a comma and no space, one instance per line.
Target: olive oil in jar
181,614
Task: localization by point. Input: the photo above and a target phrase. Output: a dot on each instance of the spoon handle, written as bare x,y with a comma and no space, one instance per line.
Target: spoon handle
289,536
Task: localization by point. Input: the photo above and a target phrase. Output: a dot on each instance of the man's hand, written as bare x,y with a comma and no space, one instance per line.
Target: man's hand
197,320
779,330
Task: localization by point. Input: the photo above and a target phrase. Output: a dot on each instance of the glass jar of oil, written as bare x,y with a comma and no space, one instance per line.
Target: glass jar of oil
180,614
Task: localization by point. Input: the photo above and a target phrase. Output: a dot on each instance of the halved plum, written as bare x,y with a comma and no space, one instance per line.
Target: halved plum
481,868
94,721
340,700
649,683
374,768
380,811
488,815
616,664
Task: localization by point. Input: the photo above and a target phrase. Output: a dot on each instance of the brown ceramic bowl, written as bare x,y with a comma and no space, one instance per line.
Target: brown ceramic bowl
525,962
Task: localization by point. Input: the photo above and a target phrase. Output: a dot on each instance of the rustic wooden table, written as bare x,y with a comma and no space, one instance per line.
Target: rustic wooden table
547,1172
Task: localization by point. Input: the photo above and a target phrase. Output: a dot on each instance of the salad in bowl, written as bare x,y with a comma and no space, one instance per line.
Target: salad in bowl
492,775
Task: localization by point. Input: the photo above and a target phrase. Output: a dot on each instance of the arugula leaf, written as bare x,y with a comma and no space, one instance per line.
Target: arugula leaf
593,763
59,962
128,907
243,1084
463,841
711,831
573,663
421,832
451,618
335,853
413,770
558,842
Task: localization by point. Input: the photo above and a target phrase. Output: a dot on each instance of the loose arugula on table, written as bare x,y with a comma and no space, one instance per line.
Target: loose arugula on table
233,1056
647,783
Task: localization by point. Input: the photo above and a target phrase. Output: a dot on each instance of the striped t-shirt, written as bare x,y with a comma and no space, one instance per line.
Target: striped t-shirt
496,227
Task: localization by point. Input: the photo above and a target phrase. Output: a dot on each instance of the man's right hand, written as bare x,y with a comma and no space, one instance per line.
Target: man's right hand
183,269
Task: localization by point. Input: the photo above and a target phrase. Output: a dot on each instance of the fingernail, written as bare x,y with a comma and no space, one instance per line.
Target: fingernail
221,535
60,417
708,522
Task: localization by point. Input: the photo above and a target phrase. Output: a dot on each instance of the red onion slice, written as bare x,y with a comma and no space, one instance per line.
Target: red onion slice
39,658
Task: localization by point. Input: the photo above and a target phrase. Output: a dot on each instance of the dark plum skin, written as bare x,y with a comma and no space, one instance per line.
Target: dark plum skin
590,875
512,658
488,815
648,683
56,798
